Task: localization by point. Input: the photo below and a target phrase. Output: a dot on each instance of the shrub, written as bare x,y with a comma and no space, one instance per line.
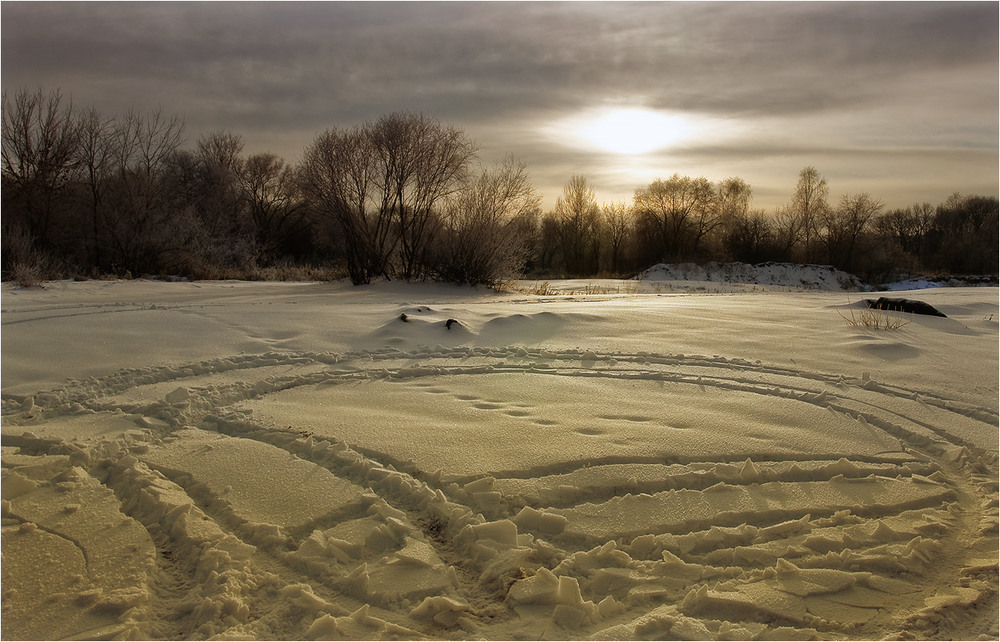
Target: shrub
23,262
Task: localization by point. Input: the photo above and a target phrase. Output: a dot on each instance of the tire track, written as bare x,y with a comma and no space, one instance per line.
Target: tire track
503,560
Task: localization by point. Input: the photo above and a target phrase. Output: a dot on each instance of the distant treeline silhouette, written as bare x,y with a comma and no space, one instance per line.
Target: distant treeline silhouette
85,195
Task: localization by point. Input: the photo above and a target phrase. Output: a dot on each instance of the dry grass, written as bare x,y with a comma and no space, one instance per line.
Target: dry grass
28,275
544,288
870,319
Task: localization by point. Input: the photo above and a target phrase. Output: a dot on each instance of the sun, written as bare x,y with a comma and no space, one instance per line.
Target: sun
632,130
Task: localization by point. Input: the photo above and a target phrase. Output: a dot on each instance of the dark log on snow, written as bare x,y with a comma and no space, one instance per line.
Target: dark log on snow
904,305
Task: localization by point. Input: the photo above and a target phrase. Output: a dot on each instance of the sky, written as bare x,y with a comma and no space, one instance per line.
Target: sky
896,99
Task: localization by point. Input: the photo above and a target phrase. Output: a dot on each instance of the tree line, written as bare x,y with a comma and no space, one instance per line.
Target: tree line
405,196
685,219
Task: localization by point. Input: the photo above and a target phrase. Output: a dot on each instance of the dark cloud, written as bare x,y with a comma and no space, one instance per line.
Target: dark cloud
281,72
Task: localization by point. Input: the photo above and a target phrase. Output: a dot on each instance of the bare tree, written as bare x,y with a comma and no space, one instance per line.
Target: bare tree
143,231
274,203
742,232
845,229
483,239
146,142
808,206
340,177
419,162
381,183
904,232
40,137
216,195
750,237
706,216
788,232
682,210
618,226
733,201
579,226
94,162
221,148
964,235
548,242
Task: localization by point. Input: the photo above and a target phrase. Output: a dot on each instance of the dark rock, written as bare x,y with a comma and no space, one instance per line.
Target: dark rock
904,305
449,323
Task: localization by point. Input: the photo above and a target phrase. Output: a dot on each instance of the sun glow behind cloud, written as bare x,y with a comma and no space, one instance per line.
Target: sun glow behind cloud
620,146
622,130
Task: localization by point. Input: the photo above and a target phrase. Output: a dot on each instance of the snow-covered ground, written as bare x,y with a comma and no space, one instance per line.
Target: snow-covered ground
568,460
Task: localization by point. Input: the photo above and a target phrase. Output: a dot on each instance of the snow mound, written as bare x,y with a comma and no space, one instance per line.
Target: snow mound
787,275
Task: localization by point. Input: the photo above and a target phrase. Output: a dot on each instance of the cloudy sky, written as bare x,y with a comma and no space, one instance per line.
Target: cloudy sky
897,99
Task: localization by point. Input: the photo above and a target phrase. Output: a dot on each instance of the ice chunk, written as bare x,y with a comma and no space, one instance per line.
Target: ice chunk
502,531
540,588
178,395
418,553
531,519
441,609
15,484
